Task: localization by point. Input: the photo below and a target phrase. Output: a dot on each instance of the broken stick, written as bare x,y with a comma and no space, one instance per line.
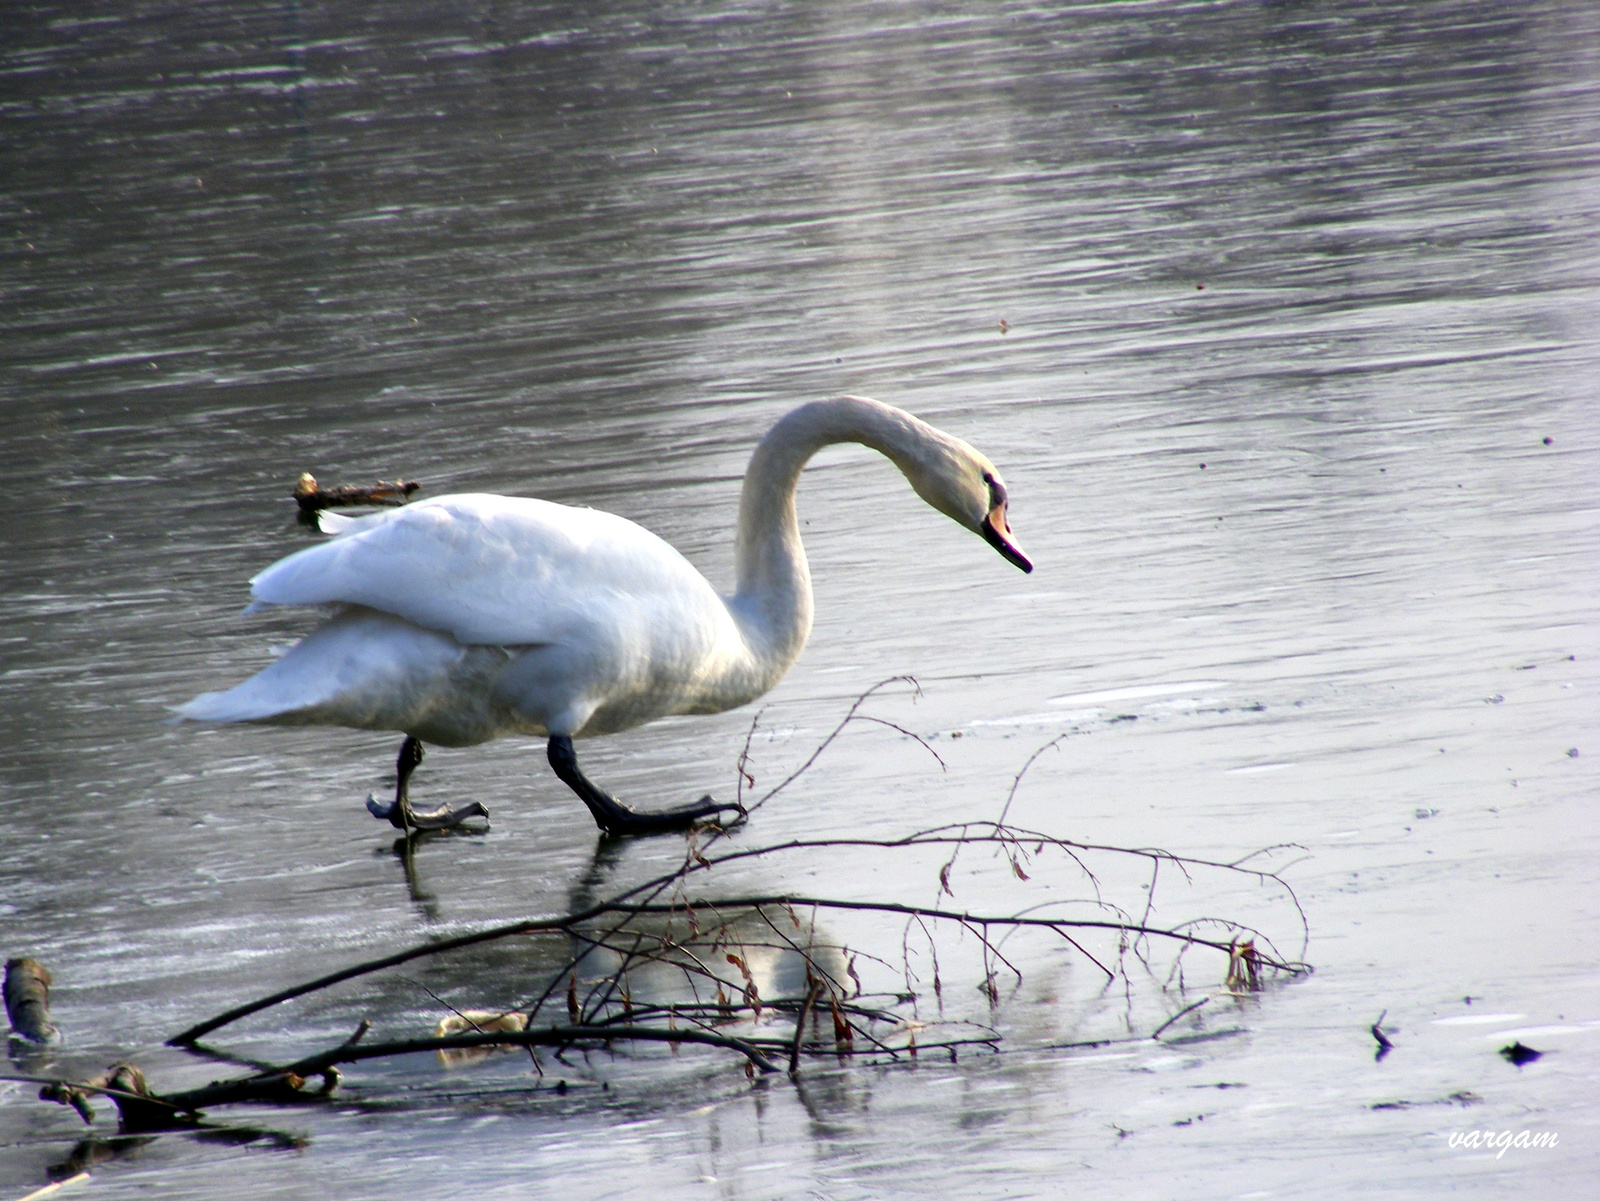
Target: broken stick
311,497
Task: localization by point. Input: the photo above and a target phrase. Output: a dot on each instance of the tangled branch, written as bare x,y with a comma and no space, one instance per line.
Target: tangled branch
708,961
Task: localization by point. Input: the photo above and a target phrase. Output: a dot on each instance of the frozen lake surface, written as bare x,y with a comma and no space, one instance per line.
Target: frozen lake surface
1280,320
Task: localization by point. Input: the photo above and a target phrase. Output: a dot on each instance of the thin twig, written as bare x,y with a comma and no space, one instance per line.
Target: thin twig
837,730
121,1094
1384,1045
1012,795
800,1026
1159,1030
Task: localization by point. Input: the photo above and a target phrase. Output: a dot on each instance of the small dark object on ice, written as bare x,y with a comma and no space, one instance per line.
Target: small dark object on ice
1384,1045
1462,1098
310,497
27,992
1518,1054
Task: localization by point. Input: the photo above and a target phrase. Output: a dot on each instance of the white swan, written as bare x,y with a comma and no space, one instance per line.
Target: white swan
462,618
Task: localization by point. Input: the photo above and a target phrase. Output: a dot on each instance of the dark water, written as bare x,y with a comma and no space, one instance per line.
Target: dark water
1278,317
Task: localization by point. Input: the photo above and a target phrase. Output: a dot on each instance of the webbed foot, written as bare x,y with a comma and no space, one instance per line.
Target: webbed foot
401,815
615,818
626,820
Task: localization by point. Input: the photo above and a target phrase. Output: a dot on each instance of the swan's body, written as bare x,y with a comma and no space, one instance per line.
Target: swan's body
472,616
463,618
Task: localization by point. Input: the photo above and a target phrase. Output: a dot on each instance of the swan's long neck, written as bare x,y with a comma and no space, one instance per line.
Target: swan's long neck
773,602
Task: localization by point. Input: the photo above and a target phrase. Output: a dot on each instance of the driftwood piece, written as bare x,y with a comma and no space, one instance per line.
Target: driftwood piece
138,1107
311,497
544,1036
142,1110
27,994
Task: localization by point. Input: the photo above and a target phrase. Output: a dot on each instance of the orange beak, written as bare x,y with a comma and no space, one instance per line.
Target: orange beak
997,533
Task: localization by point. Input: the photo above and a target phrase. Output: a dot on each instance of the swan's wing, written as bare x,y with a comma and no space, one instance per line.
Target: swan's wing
337,523
488,570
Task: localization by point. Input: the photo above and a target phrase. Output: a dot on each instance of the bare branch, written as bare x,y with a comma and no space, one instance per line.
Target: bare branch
664,922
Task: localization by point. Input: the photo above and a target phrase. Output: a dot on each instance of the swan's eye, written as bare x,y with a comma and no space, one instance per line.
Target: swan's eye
997,490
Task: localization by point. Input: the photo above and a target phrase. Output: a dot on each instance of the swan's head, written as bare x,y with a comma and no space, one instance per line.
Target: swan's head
963,485
995,527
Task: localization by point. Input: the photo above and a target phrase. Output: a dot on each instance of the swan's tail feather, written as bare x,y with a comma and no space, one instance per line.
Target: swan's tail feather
243,703
368,671
291,691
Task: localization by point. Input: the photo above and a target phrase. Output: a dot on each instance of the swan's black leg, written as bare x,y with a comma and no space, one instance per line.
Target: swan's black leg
401,815
612,816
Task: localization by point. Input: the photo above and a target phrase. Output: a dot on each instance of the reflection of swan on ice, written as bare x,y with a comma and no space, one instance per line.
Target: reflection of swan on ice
746,956
681,957
726,966
462,618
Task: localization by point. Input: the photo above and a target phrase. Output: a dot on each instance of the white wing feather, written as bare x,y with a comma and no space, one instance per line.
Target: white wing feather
488,570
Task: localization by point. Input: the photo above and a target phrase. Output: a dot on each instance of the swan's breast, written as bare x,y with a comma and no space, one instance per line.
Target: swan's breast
630,658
